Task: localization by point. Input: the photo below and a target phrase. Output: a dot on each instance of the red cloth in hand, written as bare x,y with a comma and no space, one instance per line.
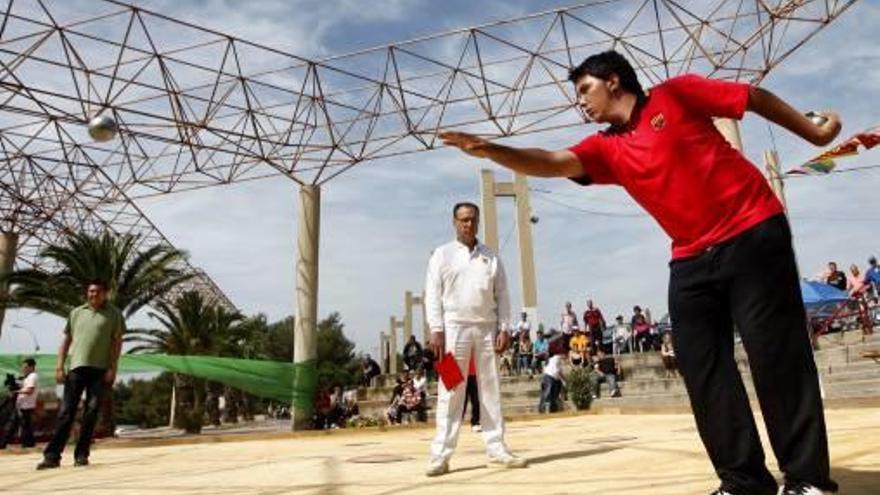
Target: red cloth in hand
449,371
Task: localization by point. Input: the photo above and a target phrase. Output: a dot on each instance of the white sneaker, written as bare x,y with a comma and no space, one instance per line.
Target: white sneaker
801,489
437,468
476,428
508,461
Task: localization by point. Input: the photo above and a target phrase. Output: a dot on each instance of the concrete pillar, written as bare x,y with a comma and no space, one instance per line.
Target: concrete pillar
304,345
392,347
407,316
488,210
383,352
526,248
729,128
8,250
774,176
519,191
426,331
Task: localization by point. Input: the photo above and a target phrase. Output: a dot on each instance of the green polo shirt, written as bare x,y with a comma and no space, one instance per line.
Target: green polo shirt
92,332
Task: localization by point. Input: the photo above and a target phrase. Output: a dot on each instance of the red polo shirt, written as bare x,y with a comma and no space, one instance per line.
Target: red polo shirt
673,161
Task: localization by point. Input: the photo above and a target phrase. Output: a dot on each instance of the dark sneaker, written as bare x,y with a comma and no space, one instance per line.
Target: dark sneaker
48,464
720,492
81,461
801,489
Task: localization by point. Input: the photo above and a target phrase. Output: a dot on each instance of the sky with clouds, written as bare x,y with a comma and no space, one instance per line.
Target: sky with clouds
380,220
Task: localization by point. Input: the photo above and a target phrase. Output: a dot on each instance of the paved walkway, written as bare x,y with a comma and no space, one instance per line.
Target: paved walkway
607,454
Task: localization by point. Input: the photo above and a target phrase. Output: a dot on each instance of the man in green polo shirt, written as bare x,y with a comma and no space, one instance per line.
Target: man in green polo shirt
92,341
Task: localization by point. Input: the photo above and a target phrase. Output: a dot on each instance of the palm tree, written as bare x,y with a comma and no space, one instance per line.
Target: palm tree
135,278
189,326
247,339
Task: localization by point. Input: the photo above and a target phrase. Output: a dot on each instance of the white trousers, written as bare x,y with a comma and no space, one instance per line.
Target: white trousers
462,342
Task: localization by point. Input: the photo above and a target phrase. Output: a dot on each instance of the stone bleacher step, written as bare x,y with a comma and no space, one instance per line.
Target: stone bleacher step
844,374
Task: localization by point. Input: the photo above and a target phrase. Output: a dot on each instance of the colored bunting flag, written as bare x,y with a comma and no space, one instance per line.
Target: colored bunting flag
824,163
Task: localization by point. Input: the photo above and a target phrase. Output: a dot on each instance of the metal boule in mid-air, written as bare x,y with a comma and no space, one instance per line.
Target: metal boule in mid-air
103,128
817,118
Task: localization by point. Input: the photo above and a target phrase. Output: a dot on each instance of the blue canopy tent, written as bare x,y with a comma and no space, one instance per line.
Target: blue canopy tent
829,308
820,294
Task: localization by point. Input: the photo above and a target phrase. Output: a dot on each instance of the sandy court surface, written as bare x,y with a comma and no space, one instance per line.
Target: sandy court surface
616,454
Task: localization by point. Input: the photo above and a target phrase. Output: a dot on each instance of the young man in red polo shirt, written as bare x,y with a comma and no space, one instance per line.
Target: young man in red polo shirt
732,259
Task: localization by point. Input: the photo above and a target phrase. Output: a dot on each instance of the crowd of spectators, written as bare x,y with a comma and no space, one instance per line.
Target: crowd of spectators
334,407
863,289
408,398
855,283
588,342
583,338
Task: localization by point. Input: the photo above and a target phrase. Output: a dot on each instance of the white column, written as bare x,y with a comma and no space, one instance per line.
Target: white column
392,347
488,210
304,345
526,249
729,128
407,316
774,176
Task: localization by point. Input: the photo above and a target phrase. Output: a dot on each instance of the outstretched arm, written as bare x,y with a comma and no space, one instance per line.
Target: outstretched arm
774,109
529,161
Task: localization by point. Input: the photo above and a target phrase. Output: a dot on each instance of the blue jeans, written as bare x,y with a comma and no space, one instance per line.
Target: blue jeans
550,388
525,362
597,378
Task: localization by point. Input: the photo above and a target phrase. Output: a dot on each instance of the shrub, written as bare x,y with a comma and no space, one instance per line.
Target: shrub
579,389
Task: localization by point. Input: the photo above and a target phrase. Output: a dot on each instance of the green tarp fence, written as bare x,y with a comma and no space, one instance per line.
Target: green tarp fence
270,379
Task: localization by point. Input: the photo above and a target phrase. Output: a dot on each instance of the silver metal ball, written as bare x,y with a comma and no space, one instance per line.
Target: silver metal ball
103,128
817,118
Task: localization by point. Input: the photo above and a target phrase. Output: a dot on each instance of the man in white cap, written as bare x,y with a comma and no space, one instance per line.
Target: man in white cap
467,302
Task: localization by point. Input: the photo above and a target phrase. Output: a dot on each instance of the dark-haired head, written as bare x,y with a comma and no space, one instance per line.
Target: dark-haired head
603,65
464,204
96,293
466,220
97,282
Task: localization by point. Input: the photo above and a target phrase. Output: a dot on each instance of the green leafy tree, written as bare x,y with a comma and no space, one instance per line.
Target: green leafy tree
143,402
279,340
135,278
189,326
245,339
336,361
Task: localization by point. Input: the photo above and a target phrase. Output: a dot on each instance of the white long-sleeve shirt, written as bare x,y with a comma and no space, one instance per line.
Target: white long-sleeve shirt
465,287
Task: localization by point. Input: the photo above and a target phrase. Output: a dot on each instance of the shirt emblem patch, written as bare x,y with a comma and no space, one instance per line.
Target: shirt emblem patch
658,121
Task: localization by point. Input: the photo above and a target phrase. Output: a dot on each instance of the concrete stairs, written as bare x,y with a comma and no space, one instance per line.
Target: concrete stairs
847,379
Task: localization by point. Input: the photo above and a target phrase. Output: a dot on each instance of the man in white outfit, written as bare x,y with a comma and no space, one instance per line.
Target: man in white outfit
466,301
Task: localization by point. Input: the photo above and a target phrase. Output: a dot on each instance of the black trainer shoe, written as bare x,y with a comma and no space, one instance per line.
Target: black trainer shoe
81,461
801,489
48,464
